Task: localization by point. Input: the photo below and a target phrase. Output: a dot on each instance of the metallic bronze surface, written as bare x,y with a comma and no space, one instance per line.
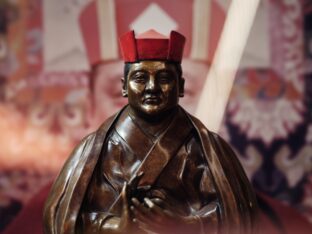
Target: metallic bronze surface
151,168
152,87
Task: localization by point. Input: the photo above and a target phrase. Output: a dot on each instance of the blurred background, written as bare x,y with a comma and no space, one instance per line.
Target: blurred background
60,70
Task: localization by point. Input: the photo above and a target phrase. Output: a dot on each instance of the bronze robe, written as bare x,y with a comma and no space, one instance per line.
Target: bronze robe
200,171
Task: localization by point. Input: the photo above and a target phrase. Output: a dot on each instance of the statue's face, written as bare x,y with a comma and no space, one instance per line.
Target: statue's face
153,87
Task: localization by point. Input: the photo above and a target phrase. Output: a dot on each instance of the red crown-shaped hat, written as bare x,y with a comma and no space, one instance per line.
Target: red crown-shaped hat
152,45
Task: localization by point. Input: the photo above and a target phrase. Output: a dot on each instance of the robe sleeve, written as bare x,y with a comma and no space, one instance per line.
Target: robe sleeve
64,201
203,199
238,205
59,187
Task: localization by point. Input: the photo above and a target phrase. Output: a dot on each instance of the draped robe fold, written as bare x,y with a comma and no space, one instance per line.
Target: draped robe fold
237,205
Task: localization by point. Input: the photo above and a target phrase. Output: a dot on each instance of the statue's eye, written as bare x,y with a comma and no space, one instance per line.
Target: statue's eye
139,78
164,78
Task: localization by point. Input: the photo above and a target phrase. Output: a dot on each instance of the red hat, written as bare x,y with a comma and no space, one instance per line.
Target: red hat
152,45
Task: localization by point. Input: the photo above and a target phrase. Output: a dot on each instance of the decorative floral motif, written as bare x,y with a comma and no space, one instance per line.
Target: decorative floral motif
266,120
308,137
294,167
251,160
264,106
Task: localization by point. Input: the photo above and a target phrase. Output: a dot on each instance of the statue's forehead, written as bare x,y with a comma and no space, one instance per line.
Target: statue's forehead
151,66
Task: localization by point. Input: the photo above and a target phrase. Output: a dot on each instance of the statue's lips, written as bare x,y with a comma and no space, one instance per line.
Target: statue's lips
153,100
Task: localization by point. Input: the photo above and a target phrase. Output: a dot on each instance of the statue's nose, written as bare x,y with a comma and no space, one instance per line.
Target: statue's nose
151,84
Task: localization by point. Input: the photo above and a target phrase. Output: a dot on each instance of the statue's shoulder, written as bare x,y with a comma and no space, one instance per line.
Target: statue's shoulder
61,183
90,145
107,123
105,126
94,139
207,136
200,127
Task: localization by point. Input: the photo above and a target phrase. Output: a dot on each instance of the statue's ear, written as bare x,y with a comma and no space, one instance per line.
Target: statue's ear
181,87
124,91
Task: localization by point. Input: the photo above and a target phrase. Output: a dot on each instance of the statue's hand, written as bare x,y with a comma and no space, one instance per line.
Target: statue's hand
125,219
119,225
124,223
134,190
152,215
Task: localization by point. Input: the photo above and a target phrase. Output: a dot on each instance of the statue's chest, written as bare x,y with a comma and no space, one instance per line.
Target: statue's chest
116,165
118,161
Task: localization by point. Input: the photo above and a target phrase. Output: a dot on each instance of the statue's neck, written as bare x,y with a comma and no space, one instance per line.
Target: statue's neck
152,125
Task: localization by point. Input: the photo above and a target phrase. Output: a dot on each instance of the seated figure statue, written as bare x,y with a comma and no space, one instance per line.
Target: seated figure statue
152,167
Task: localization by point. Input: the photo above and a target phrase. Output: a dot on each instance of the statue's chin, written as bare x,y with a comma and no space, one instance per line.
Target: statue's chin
152,109
153,112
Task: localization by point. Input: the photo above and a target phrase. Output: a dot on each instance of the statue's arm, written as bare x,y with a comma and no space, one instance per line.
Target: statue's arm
161,214
152,216
107,222
203,200
208,215
51,210
111,221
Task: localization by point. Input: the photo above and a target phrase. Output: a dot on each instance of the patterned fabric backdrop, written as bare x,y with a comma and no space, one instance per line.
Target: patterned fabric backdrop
46,102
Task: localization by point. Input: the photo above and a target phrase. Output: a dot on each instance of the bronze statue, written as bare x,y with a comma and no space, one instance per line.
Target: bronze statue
152,167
